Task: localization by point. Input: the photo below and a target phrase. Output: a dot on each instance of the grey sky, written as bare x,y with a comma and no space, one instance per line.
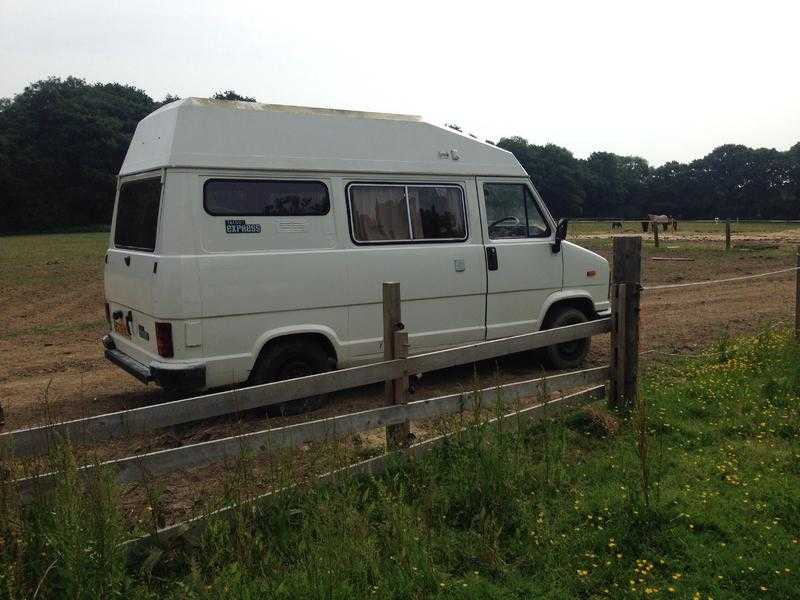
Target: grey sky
667,80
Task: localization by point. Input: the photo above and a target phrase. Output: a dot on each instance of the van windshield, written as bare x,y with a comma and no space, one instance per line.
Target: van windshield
137,214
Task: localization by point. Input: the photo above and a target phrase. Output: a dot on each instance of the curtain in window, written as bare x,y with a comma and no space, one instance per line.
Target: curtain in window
379,213
436,213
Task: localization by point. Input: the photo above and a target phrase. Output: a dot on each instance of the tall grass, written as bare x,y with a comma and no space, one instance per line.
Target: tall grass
67,543
695,494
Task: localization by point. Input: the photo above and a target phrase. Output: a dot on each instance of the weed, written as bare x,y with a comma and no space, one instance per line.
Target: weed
695,494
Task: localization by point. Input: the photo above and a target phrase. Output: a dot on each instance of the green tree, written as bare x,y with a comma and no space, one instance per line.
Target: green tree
558,175
61,145
668,190
169,98
62,142
231,95
616,186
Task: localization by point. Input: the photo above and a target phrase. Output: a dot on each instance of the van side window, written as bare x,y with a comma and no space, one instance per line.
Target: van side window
407,213
265,198
512,212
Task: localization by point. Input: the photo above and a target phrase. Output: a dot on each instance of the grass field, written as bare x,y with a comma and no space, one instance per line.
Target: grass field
696,495
579,228
470,510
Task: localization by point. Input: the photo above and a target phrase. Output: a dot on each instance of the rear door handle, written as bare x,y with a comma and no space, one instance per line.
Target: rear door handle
491,258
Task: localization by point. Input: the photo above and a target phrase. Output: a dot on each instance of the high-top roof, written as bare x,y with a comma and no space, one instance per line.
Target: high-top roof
196,132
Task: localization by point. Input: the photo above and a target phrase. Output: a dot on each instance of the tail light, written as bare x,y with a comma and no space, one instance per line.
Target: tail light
164,339
108,315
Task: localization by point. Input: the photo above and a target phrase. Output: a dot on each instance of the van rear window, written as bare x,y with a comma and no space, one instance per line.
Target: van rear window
137,214
265,198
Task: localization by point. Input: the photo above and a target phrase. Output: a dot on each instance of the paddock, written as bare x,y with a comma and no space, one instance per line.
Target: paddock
57,374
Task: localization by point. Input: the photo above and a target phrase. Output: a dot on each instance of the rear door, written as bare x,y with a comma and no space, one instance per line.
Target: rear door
130,263
522,270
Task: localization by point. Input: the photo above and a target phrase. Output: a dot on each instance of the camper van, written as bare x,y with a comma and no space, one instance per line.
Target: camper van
249,244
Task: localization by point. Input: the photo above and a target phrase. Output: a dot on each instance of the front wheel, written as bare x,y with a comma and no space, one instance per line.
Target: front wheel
569,355
290,359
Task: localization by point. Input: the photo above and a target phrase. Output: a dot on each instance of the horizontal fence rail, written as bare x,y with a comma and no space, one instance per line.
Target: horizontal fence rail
139,467
377,464
37,440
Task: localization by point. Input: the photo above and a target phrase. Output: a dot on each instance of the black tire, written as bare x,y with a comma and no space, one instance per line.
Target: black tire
569,355
287,359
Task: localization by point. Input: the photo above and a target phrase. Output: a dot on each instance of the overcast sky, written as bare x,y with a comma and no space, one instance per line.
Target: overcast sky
665,80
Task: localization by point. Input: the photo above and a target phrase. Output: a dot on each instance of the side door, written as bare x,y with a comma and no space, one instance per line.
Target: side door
426,235
522,270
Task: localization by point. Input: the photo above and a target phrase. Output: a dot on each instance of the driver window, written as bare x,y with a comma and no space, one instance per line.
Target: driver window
511,212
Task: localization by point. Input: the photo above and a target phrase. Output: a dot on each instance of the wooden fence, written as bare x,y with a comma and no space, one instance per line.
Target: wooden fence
394,370
395,416
37,440
370,466
144,466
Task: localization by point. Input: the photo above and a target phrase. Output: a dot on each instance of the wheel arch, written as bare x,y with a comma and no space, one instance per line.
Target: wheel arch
581,301
322,335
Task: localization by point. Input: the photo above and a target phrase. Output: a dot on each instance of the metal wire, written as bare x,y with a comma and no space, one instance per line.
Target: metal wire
709,282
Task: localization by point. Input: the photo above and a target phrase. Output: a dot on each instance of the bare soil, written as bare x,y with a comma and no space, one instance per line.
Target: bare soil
52,366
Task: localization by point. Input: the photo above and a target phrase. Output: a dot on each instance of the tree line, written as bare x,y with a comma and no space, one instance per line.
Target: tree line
733,181
62,142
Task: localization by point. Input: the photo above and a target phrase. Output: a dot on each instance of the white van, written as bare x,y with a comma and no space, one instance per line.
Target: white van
249,243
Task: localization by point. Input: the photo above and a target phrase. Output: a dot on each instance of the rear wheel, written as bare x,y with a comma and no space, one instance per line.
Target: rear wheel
289,359
568,355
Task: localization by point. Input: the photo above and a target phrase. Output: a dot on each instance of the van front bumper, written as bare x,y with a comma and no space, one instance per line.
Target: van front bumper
169,376
602,309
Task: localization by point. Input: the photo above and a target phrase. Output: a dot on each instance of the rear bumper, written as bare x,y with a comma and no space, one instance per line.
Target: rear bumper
167,375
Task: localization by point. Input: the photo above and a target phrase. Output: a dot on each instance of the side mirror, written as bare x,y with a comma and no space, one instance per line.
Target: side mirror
561,234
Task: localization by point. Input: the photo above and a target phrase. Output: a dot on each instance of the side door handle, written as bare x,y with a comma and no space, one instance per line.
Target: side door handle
491,258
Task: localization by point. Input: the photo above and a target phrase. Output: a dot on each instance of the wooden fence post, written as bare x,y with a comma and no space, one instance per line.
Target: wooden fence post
727,234
655,233
625,297
395,345
797,296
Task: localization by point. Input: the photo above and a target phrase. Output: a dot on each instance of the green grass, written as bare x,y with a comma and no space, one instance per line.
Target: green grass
558,511
710,252
50,260
64,328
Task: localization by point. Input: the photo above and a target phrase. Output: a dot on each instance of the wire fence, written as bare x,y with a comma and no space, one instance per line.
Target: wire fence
668,286
663,350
